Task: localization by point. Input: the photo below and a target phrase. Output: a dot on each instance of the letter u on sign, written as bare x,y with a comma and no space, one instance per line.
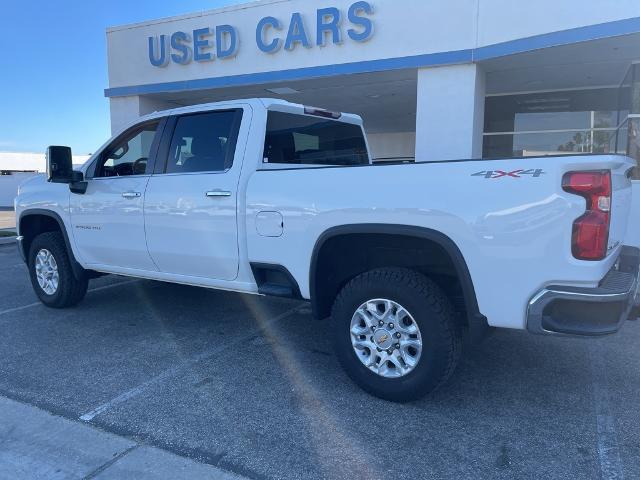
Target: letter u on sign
158,51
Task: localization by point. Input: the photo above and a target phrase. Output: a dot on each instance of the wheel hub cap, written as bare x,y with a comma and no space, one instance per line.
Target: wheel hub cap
383,339
47,272
386,338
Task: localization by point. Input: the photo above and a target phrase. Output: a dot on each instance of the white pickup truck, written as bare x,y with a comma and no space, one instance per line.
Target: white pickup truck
266,197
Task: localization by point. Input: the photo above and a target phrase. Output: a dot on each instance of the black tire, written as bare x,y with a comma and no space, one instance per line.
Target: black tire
431,310
71,290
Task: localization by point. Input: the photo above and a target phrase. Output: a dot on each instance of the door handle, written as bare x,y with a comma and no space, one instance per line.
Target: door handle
130,195
218,193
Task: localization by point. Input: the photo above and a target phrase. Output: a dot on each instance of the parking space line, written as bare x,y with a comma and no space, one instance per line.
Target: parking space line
35,304
15,265
609,459
17,309
119,284
135,391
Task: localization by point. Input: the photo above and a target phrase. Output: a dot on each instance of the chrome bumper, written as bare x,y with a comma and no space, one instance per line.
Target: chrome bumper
589,311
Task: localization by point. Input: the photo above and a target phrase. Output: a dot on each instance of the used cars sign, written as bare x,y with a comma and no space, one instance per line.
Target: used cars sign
206,44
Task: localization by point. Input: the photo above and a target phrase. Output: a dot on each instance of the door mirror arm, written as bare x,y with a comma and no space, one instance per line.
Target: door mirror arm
77,183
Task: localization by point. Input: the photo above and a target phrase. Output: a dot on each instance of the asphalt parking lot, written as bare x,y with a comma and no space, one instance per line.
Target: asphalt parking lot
250,385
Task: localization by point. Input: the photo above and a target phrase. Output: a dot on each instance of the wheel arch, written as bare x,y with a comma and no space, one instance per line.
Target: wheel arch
321,305
35,221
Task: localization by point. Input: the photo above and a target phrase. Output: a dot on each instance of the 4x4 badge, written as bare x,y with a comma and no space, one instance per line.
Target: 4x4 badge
513,174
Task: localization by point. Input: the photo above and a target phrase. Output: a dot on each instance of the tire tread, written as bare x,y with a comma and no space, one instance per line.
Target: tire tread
71,289
437,300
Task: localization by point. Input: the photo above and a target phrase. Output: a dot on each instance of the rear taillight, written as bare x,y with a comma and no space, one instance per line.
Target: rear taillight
591,231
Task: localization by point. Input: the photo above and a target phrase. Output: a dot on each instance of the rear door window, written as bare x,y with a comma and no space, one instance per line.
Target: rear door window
308,140
204,142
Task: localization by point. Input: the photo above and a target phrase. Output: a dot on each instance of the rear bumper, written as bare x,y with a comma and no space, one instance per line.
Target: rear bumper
589,311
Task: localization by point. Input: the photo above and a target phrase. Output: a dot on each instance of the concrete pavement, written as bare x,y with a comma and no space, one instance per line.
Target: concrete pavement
37,445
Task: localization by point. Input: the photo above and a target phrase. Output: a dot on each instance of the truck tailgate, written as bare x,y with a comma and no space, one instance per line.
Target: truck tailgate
620,205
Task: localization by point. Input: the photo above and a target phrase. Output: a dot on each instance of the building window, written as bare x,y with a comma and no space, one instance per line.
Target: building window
627,138
552,123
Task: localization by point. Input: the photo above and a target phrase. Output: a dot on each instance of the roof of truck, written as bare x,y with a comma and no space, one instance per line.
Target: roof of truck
266,103
258,103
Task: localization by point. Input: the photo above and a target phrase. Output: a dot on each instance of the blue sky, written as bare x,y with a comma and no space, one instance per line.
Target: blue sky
54,68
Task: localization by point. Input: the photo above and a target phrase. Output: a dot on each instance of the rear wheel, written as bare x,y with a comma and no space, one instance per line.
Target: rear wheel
51,273
396,334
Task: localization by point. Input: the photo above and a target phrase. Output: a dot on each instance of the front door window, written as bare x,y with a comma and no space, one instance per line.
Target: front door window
129,154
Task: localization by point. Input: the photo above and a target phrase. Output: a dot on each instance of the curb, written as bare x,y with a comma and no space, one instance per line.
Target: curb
42,442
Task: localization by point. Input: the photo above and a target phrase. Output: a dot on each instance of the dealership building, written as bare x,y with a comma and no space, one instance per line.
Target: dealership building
432,80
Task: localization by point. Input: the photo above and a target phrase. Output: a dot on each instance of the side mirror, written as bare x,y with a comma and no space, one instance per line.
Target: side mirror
60,169
59,165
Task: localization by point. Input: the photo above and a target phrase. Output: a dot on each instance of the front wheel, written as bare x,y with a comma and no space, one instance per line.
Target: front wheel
396,334
51,273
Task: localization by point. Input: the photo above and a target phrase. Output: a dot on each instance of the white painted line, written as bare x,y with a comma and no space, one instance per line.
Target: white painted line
119,284
611,466
123,397
17,309
35,304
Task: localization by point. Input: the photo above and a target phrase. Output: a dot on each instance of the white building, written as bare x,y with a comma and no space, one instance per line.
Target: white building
433,80
472,77
16,167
